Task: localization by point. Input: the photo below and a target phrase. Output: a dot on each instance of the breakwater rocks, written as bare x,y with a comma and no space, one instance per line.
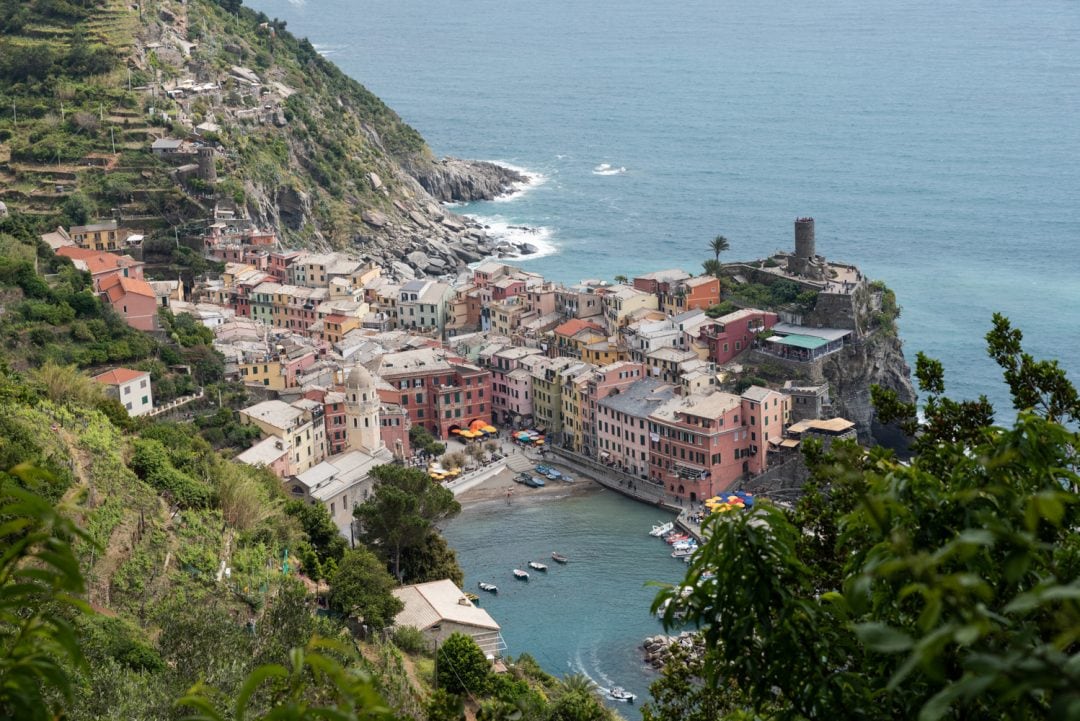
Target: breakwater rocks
452,180
658,649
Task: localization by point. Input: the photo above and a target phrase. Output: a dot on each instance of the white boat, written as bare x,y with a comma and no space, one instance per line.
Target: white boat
489,587
684,552
521,575
538,566
621,694
660,529
683,545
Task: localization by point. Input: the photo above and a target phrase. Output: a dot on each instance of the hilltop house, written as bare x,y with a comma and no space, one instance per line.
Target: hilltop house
132,388
440,608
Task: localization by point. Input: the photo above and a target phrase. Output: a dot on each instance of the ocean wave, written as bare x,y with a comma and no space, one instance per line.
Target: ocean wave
533,179
324,50
606,169
516,235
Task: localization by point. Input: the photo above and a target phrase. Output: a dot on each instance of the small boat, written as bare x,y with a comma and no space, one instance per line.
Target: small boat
661,528
684,552
521,575
489,587
553,474
472,597
621,694
522,478
672,540
542,470
538,566
559,558
535,482
680,545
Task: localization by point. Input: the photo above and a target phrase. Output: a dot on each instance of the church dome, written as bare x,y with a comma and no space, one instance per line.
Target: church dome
359,379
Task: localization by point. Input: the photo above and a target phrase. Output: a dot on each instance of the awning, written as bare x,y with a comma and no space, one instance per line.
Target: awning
789,443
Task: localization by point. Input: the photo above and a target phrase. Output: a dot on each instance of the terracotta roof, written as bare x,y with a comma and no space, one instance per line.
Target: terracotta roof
97,262
117,286
575,325
119,376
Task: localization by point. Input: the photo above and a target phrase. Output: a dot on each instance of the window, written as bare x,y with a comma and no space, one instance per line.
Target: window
128,406
142,383
145,400
127,390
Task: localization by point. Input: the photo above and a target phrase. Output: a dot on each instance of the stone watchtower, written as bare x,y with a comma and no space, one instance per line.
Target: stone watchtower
805,261
362,411
207,168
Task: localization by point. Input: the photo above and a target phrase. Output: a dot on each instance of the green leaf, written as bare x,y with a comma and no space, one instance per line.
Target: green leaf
257,677
883,638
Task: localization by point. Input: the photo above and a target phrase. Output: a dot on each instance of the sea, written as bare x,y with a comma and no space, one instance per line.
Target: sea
936,144
588,616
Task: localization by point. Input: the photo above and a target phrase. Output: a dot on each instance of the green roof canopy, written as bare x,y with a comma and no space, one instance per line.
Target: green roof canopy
808,342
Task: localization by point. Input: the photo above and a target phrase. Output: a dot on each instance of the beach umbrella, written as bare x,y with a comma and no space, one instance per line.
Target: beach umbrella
490,429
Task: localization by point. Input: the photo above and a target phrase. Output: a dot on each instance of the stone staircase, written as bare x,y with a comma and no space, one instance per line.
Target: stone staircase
517,462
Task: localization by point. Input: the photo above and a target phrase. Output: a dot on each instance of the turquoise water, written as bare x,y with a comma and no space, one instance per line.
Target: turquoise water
587,616
936,143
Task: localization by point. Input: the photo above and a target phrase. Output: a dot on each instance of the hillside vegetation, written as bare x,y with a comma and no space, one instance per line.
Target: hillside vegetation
303,147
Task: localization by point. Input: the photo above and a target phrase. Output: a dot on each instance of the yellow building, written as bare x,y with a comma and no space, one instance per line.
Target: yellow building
262,373
100,236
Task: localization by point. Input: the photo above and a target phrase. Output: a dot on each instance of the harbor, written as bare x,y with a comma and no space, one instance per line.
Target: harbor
589,615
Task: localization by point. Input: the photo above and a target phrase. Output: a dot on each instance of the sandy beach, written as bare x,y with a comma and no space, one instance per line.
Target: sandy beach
497,487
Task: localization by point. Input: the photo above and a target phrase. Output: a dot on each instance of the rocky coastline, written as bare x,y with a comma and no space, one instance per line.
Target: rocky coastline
658,649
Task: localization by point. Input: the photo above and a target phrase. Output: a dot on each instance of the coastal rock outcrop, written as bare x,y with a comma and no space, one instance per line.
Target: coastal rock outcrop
658,648
452,180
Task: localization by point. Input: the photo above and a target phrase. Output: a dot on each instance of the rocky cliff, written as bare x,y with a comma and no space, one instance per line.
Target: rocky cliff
462,181
876,360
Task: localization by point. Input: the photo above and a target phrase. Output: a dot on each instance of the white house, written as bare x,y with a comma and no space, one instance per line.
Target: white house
439,608
130,387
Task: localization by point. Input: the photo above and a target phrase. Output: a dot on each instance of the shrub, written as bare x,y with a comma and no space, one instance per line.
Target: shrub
411,640
462,666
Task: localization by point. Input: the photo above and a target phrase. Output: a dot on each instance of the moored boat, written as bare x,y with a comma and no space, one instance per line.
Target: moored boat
661,528
559,558
538,566
684,552
676,537
521,575
489,587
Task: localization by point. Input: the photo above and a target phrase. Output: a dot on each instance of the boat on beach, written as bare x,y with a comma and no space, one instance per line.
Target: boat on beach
559,558
521,575
535,482
621,694
489,587
661,528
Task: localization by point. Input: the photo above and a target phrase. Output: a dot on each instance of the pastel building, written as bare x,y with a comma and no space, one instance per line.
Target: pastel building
622,425
132,388
703,444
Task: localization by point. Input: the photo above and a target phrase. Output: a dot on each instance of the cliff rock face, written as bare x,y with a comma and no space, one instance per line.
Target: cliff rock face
876,360
462,181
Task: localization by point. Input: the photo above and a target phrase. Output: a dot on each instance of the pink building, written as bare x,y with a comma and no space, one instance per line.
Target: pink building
511,385
541,300
394,428
703,444
132,298
507,288
622,425
603,382
731,334
333,403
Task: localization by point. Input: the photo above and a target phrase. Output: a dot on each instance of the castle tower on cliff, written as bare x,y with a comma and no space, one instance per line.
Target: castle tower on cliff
207,168
362,411
806,262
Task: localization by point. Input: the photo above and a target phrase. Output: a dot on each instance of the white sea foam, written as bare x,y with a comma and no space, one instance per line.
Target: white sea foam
532,180
501,229
324,50
607,169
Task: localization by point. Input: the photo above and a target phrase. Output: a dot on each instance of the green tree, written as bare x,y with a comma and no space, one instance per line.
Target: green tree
78,209
401,511
323,535
361,587
40,584
622,279
719,245
712,267
461,666
679,693
431,560
578,706
946,586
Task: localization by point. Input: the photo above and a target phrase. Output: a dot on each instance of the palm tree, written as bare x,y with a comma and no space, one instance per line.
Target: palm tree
578,682
719,245
712,267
